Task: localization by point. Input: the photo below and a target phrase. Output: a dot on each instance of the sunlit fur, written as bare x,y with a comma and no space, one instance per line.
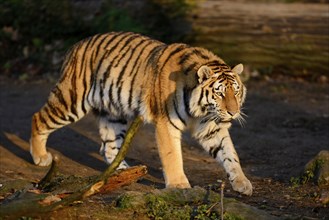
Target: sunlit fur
176,87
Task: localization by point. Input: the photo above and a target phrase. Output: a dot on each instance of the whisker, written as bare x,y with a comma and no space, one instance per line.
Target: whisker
241,120
243,114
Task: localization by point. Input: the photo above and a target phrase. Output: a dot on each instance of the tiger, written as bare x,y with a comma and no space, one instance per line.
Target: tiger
176,87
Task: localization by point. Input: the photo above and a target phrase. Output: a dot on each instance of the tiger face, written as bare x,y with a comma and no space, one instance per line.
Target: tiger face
219,95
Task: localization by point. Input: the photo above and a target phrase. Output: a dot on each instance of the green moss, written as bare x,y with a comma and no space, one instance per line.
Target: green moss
309,173
158,208
124,201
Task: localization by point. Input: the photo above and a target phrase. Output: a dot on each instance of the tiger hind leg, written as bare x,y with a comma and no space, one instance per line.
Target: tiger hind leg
112,133
55,114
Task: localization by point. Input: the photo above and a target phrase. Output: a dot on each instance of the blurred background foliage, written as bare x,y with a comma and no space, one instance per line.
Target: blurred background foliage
34,34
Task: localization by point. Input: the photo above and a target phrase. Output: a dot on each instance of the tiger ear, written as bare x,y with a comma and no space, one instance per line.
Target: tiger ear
204,72
238,69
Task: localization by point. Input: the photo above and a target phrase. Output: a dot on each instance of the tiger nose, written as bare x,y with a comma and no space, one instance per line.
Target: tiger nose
233,113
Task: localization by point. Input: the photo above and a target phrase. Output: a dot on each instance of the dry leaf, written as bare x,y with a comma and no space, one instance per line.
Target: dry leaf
35,191
50,199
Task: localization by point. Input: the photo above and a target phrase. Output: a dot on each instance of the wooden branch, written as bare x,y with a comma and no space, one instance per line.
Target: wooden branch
29,202
104,177
123,178
52,172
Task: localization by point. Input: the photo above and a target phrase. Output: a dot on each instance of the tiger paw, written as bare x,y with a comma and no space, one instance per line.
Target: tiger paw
44,160
242,185
181,183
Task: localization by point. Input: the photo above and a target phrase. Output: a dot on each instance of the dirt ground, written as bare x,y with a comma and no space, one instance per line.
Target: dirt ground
287,125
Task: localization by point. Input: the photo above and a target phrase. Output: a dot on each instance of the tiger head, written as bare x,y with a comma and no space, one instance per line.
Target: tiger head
219,94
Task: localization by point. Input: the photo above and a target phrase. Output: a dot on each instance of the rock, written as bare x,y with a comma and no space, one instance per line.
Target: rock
317,169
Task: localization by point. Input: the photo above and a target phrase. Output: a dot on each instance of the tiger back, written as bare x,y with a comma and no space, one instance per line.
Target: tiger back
176,87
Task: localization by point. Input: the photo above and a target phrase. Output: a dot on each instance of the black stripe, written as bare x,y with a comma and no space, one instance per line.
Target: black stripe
58,94
56,111
221,142
186,96
213,63
230,78
216,152
99,112
190,68
172,53
101,91
119,95
186,57
200,54
176,110
101,85
73,96
227,159
211,134
211,84
84,94
168,116
221,80
51,118
132,83
117,121
120,136
201,96
71,119
112,100
44,122
207,95
112,140
154,55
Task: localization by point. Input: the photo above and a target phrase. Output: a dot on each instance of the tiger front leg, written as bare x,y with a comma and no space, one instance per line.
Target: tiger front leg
221,148
169,147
